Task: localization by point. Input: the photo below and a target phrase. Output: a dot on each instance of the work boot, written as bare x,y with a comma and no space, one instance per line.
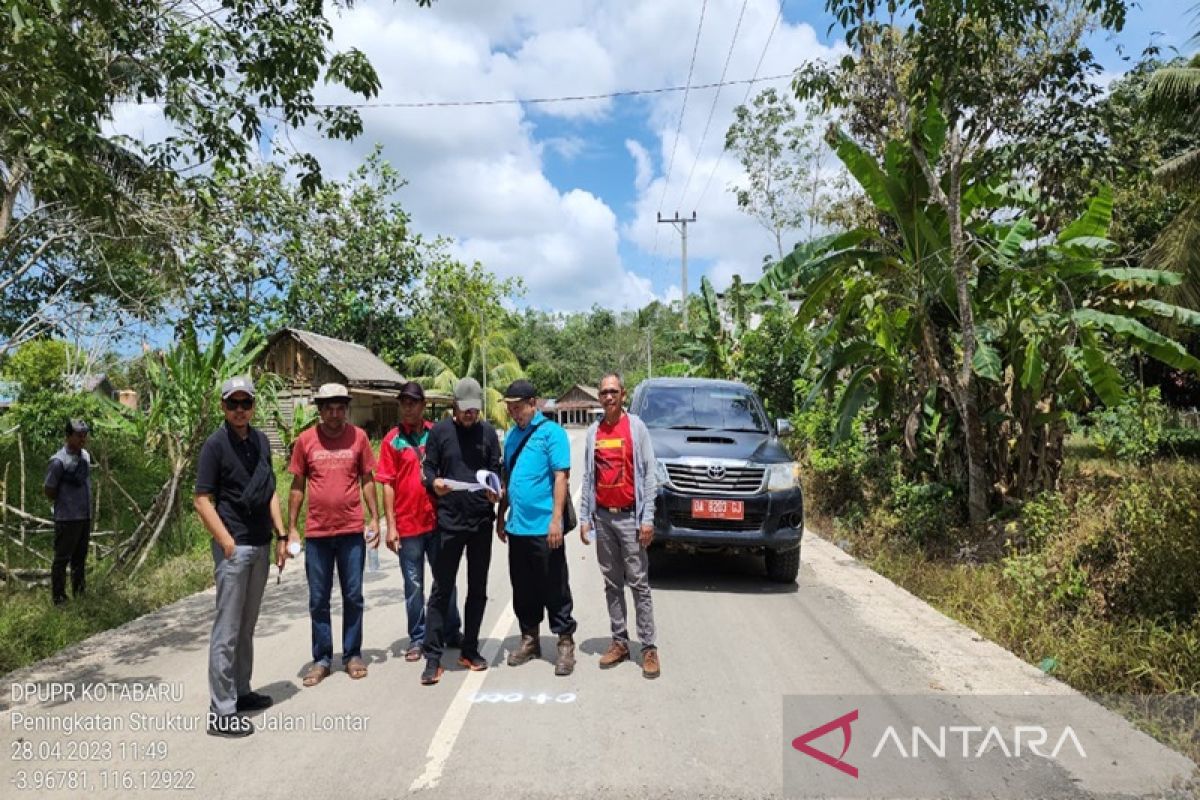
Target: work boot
650,666
530,648
566,655
617,652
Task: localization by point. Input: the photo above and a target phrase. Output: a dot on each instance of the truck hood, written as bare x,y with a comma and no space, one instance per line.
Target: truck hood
761,448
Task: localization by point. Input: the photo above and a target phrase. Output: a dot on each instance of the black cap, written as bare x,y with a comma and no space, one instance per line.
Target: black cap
519,390
413,390
76,426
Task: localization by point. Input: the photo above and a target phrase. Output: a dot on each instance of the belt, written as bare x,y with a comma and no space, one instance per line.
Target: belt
613,510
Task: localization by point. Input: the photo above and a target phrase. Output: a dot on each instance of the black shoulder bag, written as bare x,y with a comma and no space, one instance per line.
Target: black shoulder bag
569,519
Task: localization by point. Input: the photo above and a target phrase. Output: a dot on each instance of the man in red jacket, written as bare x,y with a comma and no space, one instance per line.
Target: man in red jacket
411,518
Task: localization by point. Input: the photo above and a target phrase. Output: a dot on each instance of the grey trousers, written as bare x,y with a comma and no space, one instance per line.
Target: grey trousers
624,562
240,583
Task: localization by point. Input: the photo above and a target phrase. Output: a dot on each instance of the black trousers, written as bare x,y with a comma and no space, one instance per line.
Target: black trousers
540,582
71,539
477,544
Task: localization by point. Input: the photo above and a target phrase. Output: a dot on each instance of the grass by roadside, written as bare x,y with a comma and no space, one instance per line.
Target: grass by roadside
1082,585
32,628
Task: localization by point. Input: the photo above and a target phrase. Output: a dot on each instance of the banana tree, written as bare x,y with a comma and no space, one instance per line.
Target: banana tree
1058,317
184,410
1052,319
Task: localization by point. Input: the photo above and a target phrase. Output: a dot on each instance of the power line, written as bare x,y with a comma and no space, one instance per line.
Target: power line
511,101
750,85
683,108
679,126
713,108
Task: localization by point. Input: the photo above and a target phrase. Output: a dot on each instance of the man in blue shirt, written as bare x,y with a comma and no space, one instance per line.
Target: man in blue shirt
537,464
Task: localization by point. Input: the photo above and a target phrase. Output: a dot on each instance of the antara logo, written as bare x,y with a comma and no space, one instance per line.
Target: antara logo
801,743
1025,739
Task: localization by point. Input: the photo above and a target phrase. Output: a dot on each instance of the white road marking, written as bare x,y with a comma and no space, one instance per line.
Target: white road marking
447,732
451,725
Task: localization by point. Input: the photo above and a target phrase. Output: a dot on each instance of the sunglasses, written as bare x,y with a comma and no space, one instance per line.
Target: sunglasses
604,392
245,405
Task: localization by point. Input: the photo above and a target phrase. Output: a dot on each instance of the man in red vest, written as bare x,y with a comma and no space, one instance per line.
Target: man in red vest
617,501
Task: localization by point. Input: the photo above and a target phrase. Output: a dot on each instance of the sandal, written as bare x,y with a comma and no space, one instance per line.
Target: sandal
357,668
414,653
316,673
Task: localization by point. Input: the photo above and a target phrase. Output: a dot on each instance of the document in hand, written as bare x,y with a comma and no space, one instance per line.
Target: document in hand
484,479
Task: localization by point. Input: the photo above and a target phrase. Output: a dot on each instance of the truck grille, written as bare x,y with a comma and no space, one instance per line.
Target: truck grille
716,479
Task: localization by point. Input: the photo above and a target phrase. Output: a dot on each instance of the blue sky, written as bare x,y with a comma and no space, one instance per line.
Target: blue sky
565,195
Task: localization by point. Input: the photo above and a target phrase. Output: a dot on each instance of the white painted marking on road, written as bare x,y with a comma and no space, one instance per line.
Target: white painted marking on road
447,732
451,725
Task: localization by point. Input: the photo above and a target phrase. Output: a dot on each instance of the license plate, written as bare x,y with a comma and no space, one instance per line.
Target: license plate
718,509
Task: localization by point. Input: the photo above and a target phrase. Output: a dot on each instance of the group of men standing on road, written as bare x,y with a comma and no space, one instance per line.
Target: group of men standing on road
430,518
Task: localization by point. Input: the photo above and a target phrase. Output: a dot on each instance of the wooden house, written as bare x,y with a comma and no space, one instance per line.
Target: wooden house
305,360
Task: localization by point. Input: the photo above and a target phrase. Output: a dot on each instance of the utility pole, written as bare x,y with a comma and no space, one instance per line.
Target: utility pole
681,224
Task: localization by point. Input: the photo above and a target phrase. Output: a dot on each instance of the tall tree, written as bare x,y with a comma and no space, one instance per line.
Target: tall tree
974,70
85,214
781,155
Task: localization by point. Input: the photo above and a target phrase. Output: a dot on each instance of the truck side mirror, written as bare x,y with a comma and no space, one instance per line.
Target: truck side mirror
783,427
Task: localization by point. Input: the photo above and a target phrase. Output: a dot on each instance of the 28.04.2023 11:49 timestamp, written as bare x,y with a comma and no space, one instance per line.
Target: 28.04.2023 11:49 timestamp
87,750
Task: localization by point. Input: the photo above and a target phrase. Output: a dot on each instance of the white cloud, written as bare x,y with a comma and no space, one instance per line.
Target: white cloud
477,173
641,160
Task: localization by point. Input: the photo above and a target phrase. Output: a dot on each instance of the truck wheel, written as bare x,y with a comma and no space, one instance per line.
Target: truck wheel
783,565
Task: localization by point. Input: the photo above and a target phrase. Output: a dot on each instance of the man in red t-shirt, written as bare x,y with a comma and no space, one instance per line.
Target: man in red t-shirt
333,462
617,502
411,518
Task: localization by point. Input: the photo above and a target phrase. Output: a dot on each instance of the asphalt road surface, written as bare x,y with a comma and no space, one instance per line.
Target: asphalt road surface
747,667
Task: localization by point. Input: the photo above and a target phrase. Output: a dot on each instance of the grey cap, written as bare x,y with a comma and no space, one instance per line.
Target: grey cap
239,383
468,394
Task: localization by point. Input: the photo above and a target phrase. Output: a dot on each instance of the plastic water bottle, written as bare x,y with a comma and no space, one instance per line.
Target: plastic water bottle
372,552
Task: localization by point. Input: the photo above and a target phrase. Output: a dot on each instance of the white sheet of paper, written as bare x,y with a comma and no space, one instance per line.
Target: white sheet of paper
484,479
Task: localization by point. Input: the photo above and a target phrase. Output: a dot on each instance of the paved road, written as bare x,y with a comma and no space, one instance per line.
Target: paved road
733,647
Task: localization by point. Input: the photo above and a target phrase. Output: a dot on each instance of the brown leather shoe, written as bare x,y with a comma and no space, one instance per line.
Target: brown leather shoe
530,648
650,666
617,652
566,655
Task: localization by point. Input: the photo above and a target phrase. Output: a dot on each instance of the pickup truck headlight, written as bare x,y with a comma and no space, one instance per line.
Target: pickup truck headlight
781,477
660,472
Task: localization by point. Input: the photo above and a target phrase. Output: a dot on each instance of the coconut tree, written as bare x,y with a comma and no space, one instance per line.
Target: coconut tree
488,360
1174,96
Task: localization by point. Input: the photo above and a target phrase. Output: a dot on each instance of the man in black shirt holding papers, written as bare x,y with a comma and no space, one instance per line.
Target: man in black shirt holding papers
456,450
236,501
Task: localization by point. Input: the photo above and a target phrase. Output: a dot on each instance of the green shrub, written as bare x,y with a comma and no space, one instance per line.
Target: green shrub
1133,430
1151,556
832,470
1180,443
929,512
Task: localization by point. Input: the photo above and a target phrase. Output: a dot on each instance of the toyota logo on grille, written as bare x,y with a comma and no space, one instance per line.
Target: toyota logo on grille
716,472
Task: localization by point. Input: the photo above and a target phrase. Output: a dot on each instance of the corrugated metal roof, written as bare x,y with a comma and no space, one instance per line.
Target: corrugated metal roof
358,364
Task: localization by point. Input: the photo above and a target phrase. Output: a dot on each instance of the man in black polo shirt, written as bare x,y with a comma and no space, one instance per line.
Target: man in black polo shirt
456,450
236,501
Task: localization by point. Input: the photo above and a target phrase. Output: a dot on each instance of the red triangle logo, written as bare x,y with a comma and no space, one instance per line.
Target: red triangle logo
801,743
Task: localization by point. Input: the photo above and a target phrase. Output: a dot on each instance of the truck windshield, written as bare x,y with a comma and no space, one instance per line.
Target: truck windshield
701,408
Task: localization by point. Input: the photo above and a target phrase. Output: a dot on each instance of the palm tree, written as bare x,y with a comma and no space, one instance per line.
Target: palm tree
462,356
1174,96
